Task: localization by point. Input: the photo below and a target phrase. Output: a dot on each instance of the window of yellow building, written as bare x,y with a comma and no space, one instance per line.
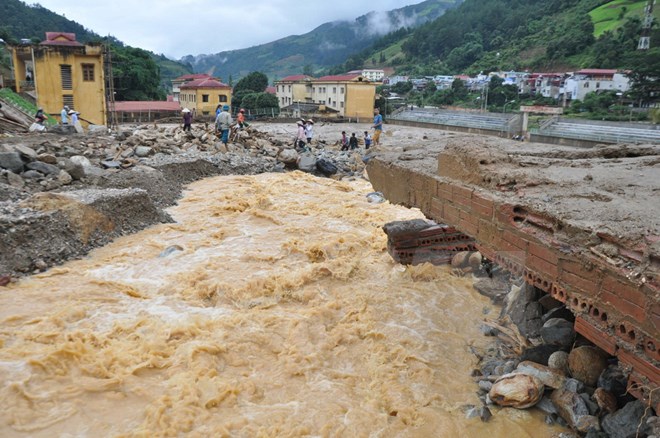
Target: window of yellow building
88,72
222,98
67,79
205,98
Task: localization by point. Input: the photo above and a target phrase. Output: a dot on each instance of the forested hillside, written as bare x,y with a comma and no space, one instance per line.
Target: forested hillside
139,74
327,45
549,35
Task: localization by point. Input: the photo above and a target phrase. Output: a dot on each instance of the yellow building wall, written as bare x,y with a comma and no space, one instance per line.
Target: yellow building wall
193,99
300,93
88,96
360,99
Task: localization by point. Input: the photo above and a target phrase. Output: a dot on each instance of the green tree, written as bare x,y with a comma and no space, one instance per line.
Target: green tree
644,66
137,77
255,81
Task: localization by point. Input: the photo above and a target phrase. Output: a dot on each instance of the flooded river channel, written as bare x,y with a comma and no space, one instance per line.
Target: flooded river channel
270,308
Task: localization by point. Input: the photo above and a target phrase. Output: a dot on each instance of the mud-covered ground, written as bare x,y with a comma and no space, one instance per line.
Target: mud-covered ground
62,195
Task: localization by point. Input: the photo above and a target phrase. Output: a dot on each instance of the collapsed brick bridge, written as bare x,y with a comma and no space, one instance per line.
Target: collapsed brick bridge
579,224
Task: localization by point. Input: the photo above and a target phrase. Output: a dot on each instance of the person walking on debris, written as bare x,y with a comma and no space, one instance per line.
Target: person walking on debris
63,115
240,119
218,110
40,117
187,119
377,126
353,142
344,141
300,135
222,124
309,130
367,140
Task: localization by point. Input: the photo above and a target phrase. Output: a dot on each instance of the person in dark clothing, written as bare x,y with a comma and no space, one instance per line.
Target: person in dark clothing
353,142
187,119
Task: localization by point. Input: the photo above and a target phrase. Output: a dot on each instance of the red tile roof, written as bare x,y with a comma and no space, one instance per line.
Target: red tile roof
206,82
337,78
271,90
193,76
295,78
61,39
146,105
596,71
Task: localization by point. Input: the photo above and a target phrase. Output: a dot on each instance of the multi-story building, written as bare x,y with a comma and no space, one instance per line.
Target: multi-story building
61,71
351,95
294,89
585,81
181,80
202,96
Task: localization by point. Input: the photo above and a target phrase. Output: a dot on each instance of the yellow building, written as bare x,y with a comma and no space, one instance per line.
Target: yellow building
61,71
203,96
351,95
294,89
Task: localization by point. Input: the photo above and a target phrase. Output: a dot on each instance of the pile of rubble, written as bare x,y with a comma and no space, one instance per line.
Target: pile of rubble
142,165
538,360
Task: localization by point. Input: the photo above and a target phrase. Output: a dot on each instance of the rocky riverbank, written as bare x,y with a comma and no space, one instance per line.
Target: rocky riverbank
62,195
537,360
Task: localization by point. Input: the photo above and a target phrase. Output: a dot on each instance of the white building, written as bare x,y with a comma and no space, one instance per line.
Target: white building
585,81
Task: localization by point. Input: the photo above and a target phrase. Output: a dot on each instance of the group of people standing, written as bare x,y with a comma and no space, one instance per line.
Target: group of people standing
352,142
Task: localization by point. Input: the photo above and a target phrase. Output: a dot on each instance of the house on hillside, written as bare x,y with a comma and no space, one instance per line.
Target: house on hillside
543,84
583,82
181,80
61,71
202,96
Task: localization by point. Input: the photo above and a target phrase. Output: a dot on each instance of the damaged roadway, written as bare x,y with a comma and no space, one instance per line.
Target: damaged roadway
583,225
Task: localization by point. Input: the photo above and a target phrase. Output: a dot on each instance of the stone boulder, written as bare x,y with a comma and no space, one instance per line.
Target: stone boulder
574,410
586,364
11,161
557,331
523,308
625,422
517,390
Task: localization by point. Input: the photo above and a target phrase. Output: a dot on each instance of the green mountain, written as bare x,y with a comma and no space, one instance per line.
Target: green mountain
327,45
549,35
21,21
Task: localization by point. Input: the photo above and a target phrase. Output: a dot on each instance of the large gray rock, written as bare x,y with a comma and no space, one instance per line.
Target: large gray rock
557,331
11,161
523,308
573,409
143,151
307,162
288,156
26,151
76,170
624,422
45,168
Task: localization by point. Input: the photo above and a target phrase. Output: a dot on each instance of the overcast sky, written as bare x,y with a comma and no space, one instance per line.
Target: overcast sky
194,27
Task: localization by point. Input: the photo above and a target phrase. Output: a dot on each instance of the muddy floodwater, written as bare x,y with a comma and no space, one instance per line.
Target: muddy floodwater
271,308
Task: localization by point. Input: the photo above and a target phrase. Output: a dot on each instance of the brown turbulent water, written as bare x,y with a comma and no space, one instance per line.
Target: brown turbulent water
281,315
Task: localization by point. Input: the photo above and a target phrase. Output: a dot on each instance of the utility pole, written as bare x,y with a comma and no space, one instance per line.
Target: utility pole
647,22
